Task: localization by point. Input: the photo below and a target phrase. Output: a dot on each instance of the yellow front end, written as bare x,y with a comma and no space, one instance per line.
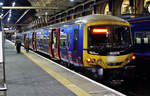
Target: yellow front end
105,62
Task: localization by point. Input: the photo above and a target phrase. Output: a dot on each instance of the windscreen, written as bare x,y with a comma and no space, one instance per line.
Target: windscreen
108,38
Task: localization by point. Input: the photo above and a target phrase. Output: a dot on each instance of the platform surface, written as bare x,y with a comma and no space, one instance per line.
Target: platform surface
28,74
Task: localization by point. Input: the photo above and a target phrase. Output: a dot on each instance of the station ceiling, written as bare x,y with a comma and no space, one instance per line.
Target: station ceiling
12,16
57,5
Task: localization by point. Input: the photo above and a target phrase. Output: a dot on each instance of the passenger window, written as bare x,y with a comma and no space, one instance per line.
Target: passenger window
142,37
54,37
63,39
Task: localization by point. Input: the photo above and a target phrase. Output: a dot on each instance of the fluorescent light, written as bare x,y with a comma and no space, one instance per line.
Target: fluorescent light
6,29
71,0
13,4
46,13
1,3
8,19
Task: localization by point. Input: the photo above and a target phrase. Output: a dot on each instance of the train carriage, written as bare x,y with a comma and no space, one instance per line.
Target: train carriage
141,36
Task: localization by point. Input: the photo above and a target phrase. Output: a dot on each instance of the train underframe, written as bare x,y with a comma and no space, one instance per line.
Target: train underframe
125,73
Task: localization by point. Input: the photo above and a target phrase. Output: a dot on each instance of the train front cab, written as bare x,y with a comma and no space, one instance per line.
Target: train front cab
107,48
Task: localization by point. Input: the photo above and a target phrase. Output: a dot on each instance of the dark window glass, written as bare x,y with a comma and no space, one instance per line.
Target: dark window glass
76,37
68,40
57,36
50,37
63,39
142,38
109,38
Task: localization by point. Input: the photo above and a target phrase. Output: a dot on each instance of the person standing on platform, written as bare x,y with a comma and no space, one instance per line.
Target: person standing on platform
26,46
18,44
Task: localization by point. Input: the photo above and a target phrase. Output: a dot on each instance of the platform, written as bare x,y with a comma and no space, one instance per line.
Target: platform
29,74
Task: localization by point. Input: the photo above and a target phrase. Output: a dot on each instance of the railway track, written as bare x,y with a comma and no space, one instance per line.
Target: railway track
139,87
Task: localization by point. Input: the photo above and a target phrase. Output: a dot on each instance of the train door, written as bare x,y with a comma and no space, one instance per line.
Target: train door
34,41
30,39
55,44
63,44
50,42
75,52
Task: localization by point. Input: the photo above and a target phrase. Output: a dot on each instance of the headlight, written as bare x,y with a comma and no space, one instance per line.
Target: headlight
133,57
89,60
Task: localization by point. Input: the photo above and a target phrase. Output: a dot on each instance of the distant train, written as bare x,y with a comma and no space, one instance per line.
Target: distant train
100,43
140,28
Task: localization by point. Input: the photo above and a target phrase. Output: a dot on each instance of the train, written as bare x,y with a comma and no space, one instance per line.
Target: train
141,38
98,43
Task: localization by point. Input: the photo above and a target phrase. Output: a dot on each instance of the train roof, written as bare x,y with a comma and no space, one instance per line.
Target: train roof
86,20
139,18
99,17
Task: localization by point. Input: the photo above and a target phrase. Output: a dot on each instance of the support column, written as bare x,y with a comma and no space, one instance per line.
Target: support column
137,6
101,8
115,7
139,9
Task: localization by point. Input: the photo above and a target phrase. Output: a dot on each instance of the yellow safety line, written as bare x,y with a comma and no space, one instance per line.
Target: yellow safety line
75,89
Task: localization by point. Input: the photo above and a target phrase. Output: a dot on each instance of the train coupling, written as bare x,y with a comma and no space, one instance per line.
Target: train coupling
130,67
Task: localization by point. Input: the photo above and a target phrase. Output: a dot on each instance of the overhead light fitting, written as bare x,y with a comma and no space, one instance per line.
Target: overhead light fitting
71,0
46,13
13,4
1,3
8,19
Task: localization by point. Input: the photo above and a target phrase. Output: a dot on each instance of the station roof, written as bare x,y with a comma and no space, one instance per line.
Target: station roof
57,6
